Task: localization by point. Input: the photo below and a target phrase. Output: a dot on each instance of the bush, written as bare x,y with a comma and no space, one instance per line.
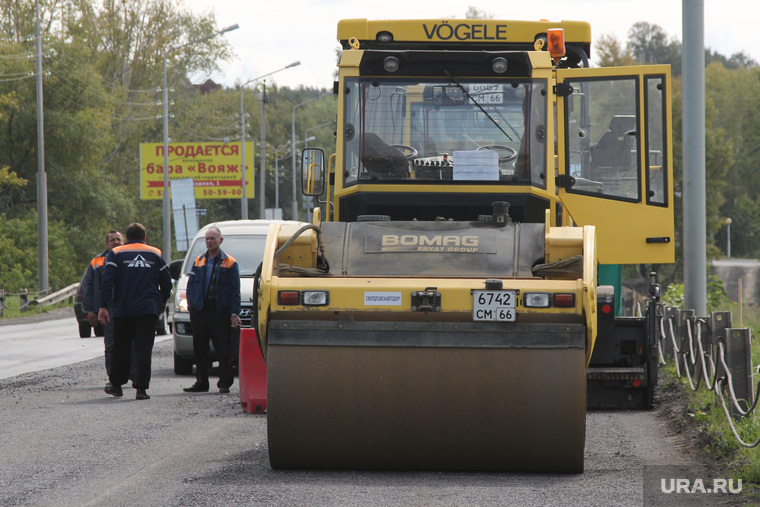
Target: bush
717,297
19,258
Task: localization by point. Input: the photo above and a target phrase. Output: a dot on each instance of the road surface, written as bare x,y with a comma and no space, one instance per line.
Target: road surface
65,443
45,341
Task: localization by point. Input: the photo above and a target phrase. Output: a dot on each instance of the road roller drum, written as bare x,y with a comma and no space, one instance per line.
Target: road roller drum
422,397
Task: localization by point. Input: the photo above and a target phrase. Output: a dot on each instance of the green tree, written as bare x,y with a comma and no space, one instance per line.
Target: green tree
650,43
733,94
736,61
103,71
609,52
129,40
10,185
18,241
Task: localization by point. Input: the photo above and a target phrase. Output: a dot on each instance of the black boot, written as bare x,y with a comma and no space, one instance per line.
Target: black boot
197,388
113,390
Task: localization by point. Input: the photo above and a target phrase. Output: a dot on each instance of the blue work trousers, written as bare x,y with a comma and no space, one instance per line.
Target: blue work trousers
138,332
215,327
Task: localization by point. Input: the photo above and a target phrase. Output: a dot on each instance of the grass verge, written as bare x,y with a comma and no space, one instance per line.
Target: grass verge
12,308
703,410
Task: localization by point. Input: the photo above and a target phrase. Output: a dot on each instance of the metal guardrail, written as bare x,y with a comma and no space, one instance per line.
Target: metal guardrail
708,350
44,300
57,297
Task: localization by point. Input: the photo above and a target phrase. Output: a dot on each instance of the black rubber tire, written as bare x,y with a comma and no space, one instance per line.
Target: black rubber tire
161,325
84,330
182,366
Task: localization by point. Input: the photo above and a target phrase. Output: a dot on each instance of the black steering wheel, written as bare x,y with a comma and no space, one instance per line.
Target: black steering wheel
511,152
404,148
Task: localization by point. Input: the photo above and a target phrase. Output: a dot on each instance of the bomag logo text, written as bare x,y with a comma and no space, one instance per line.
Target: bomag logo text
465,31
424,243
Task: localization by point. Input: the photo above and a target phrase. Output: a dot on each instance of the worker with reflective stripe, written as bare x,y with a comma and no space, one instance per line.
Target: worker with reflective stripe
136,285
92,279
213,297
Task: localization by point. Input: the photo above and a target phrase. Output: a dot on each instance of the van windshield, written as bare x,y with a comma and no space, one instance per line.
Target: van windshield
248,251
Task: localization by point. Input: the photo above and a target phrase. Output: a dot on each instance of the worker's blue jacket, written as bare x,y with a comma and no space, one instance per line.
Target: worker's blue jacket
227,283
92,282
135,281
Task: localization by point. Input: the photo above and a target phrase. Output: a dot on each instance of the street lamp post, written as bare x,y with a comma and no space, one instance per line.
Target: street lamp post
244,198
294,203
262,169
167,229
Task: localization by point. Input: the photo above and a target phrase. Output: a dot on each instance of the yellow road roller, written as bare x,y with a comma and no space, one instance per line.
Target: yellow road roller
441,309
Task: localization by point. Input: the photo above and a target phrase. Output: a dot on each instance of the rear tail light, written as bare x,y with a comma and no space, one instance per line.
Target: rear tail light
289,297
564,300
547,300
305,298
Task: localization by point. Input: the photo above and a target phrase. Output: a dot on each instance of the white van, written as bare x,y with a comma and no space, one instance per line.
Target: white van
244,240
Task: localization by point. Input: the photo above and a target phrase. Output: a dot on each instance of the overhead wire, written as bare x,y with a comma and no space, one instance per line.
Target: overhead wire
16,78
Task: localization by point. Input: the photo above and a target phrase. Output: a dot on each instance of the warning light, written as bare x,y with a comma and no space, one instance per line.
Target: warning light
637,383
555,39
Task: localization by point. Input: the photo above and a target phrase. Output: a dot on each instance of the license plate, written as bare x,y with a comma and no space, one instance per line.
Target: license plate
488,93
494,305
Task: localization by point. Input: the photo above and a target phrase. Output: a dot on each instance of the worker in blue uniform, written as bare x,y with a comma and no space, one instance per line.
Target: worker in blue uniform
213,297
135,287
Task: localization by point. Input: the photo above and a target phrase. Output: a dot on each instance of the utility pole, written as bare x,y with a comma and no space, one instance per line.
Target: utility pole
262,177
694,220
42,205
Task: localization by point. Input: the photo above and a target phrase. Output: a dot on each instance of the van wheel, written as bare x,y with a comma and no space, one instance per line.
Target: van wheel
84,330
182,366
161,325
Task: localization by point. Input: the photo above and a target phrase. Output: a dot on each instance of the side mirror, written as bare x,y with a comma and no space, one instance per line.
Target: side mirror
175,269
312,171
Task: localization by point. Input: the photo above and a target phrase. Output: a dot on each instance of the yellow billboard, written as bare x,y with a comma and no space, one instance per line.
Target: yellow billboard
214,168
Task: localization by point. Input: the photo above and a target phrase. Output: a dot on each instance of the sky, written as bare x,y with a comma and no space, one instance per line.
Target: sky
274,34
